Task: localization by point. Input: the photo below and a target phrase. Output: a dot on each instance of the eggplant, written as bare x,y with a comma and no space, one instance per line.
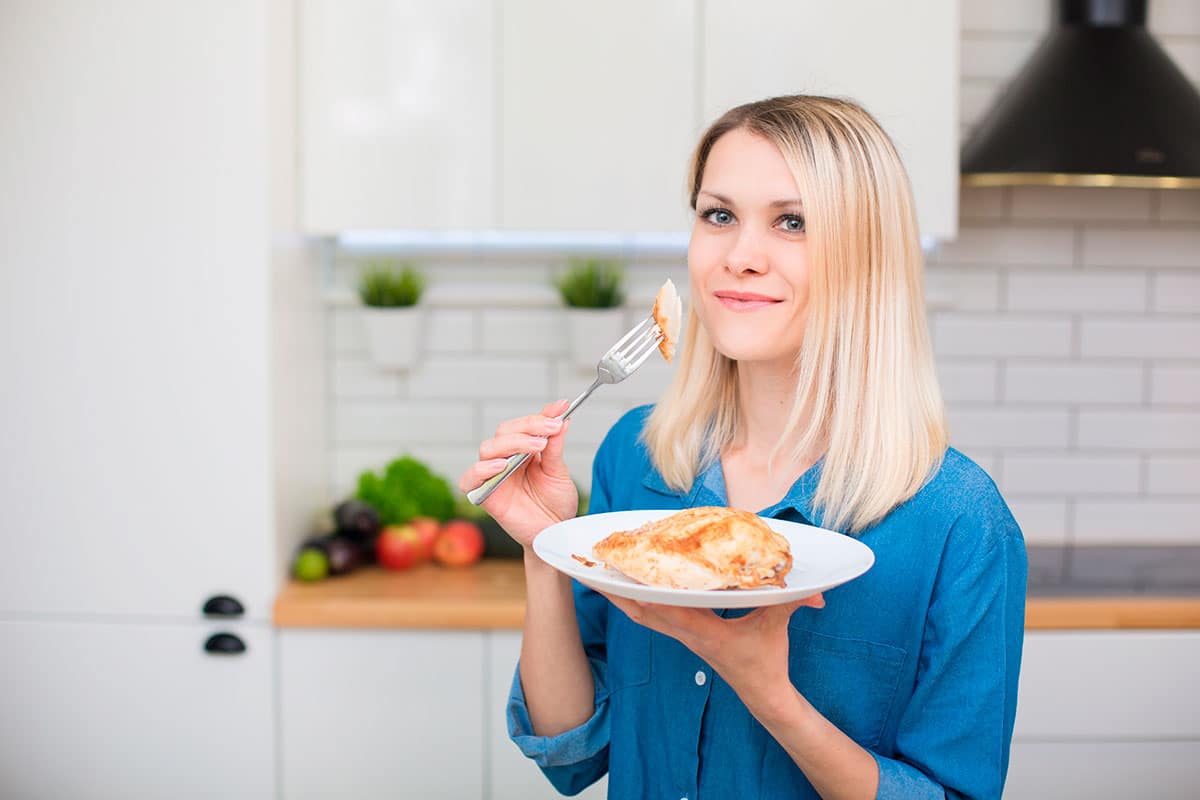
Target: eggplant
357,520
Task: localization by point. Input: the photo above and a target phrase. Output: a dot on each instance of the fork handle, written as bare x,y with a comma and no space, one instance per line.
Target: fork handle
485,489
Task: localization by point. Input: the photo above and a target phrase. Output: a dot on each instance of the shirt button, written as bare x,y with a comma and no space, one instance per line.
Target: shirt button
700,679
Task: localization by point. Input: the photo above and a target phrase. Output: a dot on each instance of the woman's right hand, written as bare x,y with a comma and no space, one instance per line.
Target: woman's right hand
540,492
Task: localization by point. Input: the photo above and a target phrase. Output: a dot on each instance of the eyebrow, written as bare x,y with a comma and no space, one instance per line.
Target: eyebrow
775,204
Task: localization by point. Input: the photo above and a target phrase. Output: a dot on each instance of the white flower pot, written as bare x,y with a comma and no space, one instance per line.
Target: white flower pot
395,335
591,332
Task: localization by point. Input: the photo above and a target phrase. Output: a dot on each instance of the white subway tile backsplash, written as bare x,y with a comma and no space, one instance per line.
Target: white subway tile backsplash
1176,17
1173,475
527,330
1002,428
1043,522
1079,203
357,378
1073,383
588,426
1009,246
982,203
965,290
347,329
1141,247
451,330
454,376
579,463
988,460
1071,474
1139,430
990,57
999,335
975,98
644,386
1016,16
399,423
969,381
1148,522
1179,206
1140,338
1175,384
1076,290
1177,292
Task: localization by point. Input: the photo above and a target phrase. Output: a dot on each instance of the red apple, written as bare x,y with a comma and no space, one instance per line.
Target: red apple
459,544
398,547
428,529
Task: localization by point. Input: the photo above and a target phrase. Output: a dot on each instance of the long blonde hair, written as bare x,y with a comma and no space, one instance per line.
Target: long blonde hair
867,394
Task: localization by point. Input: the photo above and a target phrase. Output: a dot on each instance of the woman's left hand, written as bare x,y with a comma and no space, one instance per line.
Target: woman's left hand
750,653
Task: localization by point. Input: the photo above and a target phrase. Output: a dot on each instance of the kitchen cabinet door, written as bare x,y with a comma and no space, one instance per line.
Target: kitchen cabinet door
381,714
512,776
899,60
131,711
397,115
598,115
135,323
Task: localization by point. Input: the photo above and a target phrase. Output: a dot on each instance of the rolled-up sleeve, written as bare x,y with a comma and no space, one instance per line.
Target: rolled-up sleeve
574,759
954,735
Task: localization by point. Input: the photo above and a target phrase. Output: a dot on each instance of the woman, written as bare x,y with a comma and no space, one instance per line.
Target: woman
806,391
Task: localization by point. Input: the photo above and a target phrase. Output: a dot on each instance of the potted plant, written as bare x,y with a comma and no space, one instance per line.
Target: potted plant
592,289
394,320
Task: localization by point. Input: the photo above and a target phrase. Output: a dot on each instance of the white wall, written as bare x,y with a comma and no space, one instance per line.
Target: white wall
1066,324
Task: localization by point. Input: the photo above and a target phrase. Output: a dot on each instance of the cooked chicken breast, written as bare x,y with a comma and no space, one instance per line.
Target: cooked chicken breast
668,315
700,548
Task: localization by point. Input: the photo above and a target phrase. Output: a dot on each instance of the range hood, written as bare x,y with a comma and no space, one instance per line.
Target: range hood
1098,104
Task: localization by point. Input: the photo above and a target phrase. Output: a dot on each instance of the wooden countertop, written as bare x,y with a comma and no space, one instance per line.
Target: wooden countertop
491,594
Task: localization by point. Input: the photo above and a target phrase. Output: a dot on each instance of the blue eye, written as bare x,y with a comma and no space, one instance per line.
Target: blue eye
717,216
792,223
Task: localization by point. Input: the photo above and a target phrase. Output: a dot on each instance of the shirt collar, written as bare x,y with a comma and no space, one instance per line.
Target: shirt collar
709,490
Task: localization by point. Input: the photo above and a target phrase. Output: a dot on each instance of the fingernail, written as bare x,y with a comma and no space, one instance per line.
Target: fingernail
496,463
552,424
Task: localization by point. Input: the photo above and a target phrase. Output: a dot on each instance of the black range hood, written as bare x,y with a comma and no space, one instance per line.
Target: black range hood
1098,104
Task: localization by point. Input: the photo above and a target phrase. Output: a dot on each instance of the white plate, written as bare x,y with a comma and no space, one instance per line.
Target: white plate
821,559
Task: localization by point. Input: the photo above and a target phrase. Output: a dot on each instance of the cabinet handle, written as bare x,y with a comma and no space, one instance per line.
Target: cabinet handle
224,644
222,605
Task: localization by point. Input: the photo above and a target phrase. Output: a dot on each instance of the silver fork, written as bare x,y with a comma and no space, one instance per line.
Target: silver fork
621,361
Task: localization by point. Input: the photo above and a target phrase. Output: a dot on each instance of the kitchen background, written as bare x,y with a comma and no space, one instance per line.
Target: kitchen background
1066,323
187,194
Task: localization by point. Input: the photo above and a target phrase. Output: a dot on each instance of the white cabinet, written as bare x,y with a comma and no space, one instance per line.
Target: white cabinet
95,711
134,308
381,714
512,776
598,114
541,115
899,60
1107,714
398,114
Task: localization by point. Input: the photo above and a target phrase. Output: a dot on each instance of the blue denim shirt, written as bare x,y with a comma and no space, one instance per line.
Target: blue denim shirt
916,660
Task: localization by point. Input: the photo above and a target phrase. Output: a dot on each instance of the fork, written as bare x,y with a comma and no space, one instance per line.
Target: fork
621,361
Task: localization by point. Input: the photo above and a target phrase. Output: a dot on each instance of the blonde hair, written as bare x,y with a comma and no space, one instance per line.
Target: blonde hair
867,394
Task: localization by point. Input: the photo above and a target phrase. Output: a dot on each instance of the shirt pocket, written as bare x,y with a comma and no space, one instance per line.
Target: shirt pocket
852,682
630,649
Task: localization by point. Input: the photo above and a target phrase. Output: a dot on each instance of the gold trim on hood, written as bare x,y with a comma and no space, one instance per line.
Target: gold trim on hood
1071,179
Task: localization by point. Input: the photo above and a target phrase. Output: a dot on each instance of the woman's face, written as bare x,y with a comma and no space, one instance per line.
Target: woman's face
748,258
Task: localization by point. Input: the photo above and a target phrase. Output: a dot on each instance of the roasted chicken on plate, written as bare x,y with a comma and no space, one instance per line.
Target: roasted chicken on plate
703,548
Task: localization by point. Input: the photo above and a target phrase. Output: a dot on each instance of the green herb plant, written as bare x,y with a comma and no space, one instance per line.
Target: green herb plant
592,283
406,489
383,287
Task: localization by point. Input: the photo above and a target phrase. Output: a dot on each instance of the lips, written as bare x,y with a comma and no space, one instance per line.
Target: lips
745,301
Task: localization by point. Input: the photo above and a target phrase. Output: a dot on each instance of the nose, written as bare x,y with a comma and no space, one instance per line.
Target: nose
747,254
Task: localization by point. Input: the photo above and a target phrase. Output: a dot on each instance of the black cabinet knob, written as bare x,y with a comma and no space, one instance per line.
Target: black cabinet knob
224,644
222,605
